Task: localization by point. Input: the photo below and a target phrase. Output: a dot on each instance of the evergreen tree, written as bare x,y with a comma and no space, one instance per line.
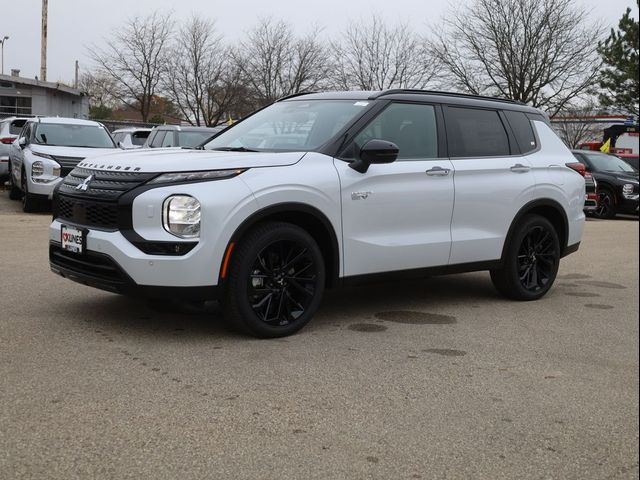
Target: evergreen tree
620,77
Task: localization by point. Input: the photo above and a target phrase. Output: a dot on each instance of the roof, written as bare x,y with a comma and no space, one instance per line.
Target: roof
132,129
181,128
421,95
60,87
66,121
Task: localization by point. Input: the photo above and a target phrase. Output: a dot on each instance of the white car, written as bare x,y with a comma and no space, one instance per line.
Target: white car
131,138
324,190
9,130
46,150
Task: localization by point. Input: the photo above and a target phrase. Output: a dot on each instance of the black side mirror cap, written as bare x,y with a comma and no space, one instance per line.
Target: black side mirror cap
375,151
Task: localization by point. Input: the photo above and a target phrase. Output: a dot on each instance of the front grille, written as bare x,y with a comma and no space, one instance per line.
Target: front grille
97,266
103,215
67,164
103,185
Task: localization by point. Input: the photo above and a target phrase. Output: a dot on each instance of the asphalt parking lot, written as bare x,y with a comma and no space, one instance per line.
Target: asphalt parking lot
439,378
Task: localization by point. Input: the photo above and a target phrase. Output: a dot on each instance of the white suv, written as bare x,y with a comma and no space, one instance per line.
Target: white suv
324,190
46,150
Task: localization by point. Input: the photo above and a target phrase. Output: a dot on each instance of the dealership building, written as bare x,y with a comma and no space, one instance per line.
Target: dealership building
21,96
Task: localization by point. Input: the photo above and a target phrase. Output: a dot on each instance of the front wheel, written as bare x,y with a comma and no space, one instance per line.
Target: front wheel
606,205
14,191
531,260
29,202
275,281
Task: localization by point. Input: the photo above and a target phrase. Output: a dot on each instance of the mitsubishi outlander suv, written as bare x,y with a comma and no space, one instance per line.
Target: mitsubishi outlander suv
46,150
323,190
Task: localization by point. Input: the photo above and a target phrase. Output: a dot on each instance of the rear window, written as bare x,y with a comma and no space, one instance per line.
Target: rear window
138,138
522,130
475,133
16,127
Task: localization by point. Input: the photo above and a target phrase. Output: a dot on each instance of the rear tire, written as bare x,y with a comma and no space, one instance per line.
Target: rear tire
14,192
531,260
275,281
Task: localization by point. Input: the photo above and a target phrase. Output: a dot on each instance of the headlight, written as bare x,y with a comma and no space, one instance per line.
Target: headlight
181,216
37,169
180,177
627,190
56,171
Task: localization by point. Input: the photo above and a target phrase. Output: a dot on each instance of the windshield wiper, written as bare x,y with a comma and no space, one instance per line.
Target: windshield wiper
234,149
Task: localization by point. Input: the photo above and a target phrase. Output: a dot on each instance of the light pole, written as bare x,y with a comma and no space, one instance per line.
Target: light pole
2,52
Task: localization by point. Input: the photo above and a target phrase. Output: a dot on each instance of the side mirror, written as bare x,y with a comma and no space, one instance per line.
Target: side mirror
22,142
375,151
121,145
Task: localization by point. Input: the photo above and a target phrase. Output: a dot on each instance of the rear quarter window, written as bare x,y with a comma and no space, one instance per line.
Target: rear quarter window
522,130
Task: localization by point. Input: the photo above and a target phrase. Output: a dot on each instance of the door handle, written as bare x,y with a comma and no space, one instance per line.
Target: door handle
438,172
519,168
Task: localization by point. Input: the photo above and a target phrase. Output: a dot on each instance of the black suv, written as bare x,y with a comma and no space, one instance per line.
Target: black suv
617,182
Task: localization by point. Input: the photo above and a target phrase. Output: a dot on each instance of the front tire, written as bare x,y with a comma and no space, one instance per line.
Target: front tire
29,202
14,191
531,261
606,205
275,281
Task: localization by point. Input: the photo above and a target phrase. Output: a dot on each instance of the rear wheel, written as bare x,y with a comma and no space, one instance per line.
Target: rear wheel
29,202
275,281
531,260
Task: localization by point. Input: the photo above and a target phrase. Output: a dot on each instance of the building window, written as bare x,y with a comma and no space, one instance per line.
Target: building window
15,105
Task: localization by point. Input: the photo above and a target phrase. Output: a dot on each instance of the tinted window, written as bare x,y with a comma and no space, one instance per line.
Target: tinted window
411,127
157,140
475,133
138,138
608,163
522,130
16,127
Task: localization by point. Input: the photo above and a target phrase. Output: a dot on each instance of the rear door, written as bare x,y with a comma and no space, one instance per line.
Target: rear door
492,182
397,216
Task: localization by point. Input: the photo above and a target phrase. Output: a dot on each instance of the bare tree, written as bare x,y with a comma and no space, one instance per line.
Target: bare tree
99,88
373,56
135,58
200,76
275,63
540,52
576,125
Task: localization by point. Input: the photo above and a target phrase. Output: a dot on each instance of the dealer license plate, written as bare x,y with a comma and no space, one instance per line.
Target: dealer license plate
72,239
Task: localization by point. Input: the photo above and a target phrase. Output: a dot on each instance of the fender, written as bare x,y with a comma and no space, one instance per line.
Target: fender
283,212
531,207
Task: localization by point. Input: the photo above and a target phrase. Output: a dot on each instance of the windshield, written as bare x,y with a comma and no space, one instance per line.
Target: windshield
66,135
608,163
290,126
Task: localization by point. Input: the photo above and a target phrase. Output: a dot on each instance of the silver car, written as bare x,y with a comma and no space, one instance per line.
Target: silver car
130,138
10,128
168,136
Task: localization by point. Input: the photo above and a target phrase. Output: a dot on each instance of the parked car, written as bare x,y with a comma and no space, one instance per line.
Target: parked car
9,129
617,183
322,190
46,150
590,187
167,136
130,138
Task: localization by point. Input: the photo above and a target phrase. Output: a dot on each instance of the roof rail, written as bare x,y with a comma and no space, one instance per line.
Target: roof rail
293,95
444,94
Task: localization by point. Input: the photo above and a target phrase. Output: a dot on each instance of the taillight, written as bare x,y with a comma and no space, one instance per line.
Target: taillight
578,167
7,140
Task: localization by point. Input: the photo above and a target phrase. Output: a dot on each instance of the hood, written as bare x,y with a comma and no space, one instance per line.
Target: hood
182,160
625,176
73,152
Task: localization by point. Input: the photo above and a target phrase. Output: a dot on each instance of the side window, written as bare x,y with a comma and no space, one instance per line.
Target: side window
522,129
168,140
412,127
118,137
158,139
26,132
474,132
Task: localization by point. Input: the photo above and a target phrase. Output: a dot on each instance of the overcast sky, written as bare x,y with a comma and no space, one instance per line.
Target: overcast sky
74,24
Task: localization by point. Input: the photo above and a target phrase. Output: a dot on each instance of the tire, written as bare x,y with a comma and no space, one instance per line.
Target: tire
275,282
14,192
531,260
606,204
29,202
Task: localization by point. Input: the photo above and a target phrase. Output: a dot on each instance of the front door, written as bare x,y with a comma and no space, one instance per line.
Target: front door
397,216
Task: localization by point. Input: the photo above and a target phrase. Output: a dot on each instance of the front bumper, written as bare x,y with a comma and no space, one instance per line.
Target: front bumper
101,271
43,189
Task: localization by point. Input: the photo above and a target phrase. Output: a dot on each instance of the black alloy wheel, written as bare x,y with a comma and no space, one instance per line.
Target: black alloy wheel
275,280
530,261
606,205
537,259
